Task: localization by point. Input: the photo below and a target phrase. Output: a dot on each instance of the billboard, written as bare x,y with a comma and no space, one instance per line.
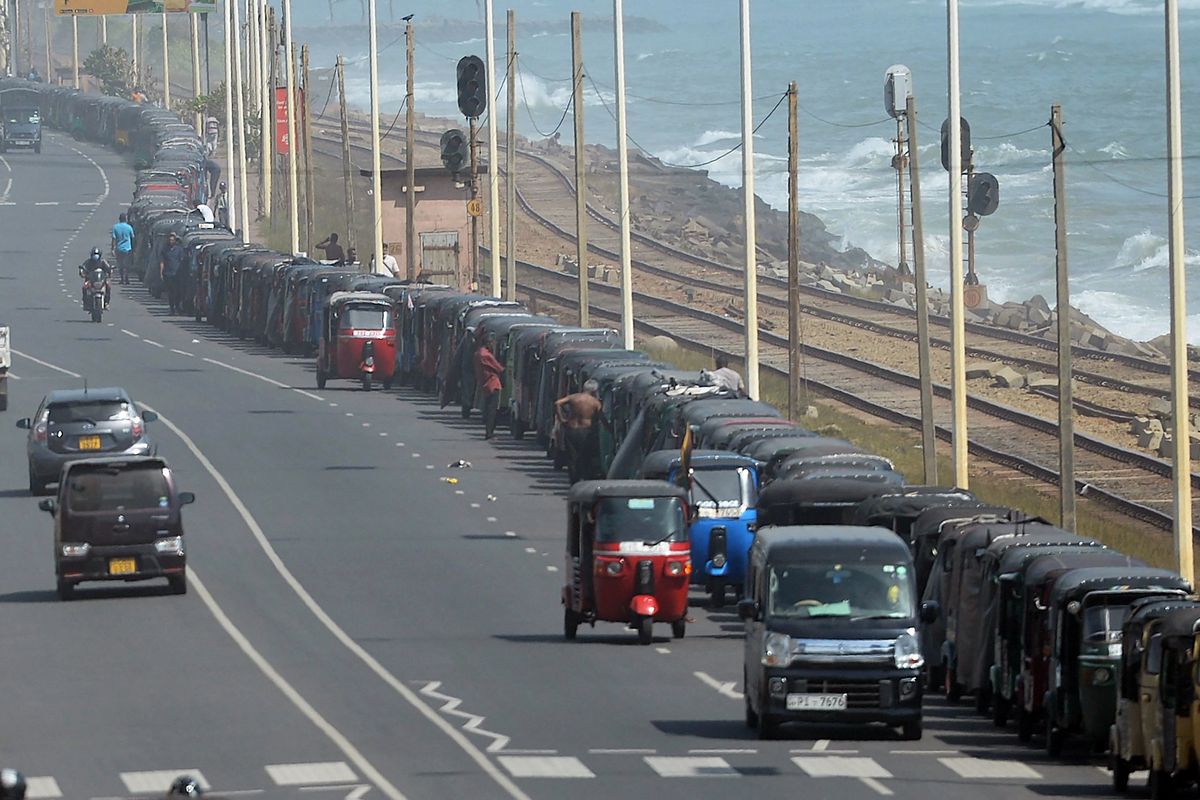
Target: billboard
90,8
281,126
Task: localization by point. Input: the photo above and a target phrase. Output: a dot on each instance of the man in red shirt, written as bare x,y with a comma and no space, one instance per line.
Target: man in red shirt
487,375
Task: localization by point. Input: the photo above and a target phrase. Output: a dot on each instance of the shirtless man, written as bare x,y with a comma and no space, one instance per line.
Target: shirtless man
576,412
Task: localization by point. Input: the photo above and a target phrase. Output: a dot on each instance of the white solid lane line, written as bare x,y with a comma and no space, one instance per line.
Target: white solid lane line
48,365
151,341
183,353
264,379
333,734
344,638
130,333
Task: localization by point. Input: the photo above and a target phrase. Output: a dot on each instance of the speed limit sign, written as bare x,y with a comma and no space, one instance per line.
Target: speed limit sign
972,296
475,207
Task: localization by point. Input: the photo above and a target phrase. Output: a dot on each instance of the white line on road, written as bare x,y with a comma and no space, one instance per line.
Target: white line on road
877,786
309,395
151,341
820,744
153,781
42,787
281,683
724,751
622,751
690,766
726,688
311,773
47,203
14,376
546,767
451,704
663,650
87,204
130,333
344,638
48,365
183,353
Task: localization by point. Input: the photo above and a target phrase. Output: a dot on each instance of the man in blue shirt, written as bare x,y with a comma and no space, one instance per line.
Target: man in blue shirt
171,270
122,245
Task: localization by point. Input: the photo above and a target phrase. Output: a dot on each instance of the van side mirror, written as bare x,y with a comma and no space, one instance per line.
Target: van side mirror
49,505
149,416
25,423
748,609
187,498
930,611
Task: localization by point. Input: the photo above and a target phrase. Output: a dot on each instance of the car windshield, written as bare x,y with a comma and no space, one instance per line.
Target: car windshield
22,117
721,492
841,590
117,488
366,318
640,519
88,411
1102,623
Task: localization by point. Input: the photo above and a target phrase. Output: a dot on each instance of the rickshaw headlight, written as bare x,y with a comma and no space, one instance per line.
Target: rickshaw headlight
718,560
908,652
674,568
1101,676
777,650
609,567
1114,649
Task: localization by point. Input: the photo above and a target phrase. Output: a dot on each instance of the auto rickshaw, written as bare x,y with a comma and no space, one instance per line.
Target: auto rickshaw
1169,715
358,339
897,509
627,556
1086,611
724,493
1137,681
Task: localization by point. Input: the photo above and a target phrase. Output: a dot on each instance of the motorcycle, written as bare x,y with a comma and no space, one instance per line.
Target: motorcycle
95,293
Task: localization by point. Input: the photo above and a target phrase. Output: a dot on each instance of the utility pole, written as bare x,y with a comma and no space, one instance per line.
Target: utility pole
474,130
493,177
310,181
410,161
75,50
623,165
347,167
581,248
901,163
921,297
510,164
15,32
50,47
794,365
166,74
194,24
230,44
748,194
958,358
253,80
104,30
293,182
1181,435
376,178
240,94
1066,417
266,166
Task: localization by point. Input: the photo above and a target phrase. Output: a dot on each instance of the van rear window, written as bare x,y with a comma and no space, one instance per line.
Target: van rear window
117,488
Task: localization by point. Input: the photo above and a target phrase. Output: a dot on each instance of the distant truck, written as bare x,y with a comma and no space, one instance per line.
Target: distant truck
5,363
20,120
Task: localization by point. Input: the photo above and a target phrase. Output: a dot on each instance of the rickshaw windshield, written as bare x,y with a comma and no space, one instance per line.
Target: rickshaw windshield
640,519
722,492
366,318
857,591
1102,623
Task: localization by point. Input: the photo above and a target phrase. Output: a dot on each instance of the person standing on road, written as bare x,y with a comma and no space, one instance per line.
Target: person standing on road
332,250
487,376
390,267
170,269
577,414
122,245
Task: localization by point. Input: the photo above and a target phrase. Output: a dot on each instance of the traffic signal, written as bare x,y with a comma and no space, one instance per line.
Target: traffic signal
983,194
456,152
964,144
472,87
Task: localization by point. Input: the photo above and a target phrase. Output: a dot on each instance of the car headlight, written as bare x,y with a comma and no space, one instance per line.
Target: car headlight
908,652
169,545
75,550
777,650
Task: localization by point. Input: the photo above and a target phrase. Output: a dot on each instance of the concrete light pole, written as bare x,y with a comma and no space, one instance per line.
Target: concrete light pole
751,276
958,358
623,167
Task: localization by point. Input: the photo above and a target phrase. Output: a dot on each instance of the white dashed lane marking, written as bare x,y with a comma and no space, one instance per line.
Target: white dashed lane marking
691,766
153,781
983,768
545,767
42,788
310,774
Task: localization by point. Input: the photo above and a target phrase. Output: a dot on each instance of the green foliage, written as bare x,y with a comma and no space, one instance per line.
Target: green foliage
210,105
112,68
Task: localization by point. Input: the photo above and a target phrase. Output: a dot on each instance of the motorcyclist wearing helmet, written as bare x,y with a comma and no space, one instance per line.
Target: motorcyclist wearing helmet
94,261
12,785
185,786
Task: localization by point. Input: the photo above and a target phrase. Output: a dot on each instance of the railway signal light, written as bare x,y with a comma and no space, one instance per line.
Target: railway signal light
964,142
472,87
455,150
983,194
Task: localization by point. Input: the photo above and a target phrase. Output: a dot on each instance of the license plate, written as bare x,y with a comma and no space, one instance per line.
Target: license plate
816,702
122,566
89,442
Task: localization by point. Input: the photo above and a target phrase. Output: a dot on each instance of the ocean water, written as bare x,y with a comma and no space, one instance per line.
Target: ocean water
1102,60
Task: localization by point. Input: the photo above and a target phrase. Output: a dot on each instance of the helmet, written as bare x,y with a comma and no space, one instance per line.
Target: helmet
95,254
12,785
185,786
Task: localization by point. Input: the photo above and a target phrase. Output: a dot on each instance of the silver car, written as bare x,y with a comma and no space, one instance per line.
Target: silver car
83,423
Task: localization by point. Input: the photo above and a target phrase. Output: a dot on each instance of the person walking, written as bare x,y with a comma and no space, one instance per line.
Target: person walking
332,250
488,373
577,415
122,246
170,269
390,267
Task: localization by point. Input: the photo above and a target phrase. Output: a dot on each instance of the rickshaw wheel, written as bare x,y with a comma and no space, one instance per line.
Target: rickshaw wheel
1000,709
912,730
366,381
645,630
1161,785
983,699
570,624
768,728
1120,770
1024,725
751,716
1054,738
387,382
516,427
679,628
950,685
320,379
716,594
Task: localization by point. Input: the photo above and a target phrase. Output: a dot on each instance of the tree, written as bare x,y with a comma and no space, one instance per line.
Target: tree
112,68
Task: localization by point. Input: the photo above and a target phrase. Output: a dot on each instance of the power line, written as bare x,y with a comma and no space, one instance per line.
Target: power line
396,118
566,109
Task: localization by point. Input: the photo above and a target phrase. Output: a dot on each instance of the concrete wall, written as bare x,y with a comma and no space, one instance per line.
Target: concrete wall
440,207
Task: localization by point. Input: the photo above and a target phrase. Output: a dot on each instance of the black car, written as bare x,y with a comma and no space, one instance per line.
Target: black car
118,519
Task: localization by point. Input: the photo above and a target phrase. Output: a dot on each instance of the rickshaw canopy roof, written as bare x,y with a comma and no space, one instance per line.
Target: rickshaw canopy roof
907,502
660,462
1039,569
772,445
932,521
832,492
1146,609
1077,583
374,298
592,491
1015,553
708,408
1180,622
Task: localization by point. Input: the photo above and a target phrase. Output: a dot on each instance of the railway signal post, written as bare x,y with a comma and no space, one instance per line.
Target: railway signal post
1066,417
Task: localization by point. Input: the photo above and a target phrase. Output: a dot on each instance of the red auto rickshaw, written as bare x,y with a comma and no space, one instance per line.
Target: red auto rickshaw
358,339
628,557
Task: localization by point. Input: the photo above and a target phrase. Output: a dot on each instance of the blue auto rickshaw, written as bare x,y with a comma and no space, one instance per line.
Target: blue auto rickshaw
723,493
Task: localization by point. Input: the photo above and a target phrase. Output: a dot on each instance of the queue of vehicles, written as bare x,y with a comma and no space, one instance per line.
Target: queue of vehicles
859,592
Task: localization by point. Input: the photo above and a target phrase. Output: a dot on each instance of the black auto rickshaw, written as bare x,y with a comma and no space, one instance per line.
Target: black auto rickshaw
823,502
627,556
1171,736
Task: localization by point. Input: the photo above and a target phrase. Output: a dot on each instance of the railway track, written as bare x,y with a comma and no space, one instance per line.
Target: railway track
1128,481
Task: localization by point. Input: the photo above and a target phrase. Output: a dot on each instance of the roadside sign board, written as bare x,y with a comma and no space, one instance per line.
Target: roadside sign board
475,207
92,8
281,126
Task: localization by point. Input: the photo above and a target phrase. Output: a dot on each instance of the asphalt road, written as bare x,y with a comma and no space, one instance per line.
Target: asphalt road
357,626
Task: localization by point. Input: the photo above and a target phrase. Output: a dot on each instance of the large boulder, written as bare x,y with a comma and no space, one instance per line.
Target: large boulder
1009,378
